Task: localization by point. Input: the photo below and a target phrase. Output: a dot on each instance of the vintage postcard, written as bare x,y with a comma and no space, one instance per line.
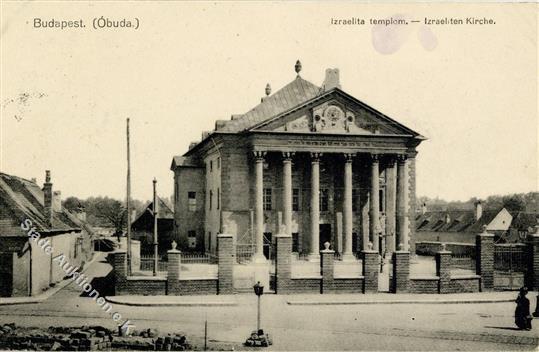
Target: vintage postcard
249,175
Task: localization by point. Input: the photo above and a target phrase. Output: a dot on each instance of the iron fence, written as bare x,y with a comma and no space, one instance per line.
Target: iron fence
198,258
147,263
510,257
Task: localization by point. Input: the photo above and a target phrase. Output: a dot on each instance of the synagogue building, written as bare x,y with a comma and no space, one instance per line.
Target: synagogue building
310,161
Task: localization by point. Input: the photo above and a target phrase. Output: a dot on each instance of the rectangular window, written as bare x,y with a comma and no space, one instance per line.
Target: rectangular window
267,199
218,198
192,200
211,165
295,199
355,199
381,204
295,242
218,162
192,239
324,199
211,198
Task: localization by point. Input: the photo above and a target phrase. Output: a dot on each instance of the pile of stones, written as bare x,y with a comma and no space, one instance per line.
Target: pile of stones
258,339
87,338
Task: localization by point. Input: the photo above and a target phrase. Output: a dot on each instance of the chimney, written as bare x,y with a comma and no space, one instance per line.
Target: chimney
33,179
478,210
332,79
424,208
47,198
447,219
57,201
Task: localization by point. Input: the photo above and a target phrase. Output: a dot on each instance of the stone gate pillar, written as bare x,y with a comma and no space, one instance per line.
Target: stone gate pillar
484,259
226,254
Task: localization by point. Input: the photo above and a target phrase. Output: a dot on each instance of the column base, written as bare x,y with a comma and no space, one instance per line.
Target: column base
349,257
258,258
314,257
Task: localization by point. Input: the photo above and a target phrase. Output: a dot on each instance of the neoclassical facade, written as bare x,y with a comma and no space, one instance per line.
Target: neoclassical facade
312,162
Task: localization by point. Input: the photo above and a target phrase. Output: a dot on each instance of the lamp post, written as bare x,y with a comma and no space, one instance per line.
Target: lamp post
259,291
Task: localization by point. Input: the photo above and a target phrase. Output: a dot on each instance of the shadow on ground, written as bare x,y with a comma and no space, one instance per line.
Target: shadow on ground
104,285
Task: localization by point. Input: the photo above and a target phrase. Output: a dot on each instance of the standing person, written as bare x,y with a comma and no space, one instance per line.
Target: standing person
523,319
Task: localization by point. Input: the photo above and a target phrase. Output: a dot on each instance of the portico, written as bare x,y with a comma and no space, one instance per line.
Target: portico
339,164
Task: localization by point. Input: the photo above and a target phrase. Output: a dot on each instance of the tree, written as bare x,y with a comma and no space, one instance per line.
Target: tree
113,212
73,204
514,202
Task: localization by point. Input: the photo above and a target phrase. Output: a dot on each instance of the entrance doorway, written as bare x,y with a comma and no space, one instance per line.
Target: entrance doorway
325,235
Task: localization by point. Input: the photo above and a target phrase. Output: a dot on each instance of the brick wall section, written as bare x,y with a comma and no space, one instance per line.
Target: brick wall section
429,285
305,285
227,257
443,271
283,264
197,287
401,271
173,269
326,262
370,271
485,260
532,279
347,285
462,285
142,286
119,263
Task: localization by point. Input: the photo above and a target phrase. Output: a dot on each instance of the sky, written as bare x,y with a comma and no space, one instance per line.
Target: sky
66,93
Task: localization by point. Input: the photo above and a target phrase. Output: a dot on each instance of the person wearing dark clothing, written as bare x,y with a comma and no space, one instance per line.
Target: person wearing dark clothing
523,318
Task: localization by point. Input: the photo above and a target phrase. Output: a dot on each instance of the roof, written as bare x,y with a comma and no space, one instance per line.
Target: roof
184,161
163,211
293,94
21,199
459,221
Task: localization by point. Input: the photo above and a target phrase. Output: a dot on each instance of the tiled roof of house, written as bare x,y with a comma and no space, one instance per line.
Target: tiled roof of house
459,221
293,94
185,161
21,199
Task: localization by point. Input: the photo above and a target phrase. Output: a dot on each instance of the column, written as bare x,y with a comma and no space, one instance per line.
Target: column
287,192
402,204
315,207
443,270
259,206
375,202
391,194
173,271
347,208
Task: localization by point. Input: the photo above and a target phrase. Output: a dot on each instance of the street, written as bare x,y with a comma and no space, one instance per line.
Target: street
335,327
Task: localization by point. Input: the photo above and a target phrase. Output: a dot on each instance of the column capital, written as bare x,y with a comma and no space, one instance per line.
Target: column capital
374,157
315,156
401,158
259,155
348,157
287,156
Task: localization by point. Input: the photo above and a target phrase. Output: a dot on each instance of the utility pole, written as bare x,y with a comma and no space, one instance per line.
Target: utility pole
155,211
129,271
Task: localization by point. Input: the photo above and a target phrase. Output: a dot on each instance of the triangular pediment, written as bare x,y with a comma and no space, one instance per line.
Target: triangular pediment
334,112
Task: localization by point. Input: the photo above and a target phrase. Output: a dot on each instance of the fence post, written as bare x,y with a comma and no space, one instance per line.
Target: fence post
226,254
173,271
283,263
532,278
326,263
443,270
119,262
370,270
401,271
484,260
